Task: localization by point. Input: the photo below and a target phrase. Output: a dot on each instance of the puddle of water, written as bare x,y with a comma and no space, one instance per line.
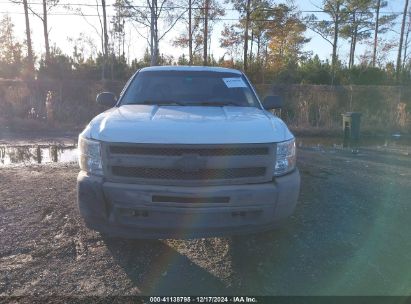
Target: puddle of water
37,154
333,142
394,144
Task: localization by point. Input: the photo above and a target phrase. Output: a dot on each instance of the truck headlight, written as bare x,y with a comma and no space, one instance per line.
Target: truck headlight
90,156
285,157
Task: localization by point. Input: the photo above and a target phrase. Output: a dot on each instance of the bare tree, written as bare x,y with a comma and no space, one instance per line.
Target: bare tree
47,5
231,39
194,38
148,14
383,24
84,48
98,30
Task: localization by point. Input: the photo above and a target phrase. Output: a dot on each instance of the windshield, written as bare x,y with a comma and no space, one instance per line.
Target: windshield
190,88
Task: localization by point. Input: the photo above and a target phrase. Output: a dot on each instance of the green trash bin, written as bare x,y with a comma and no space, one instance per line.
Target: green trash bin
351,125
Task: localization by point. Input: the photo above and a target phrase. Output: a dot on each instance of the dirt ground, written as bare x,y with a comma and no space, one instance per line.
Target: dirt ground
350,235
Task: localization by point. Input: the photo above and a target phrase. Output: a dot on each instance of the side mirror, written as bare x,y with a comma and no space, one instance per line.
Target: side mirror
273,102
107,99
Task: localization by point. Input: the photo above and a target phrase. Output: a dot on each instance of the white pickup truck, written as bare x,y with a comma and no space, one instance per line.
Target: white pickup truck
186,152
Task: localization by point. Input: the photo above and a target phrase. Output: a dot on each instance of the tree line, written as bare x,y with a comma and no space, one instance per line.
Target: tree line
267,41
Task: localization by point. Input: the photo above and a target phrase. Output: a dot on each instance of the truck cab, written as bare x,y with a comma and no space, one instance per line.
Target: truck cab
186,152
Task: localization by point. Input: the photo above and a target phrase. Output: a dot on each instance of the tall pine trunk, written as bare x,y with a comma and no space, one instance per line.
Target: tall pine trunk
354,45
336,32
30,57
205,55
374,53
190,34
154,25
406,42
251,47
46,32
247,22
351,47
404,17
105,40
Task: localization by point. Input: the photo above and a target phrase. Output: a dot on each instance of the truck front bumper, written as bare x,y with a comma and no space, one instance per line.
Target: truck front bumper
148,211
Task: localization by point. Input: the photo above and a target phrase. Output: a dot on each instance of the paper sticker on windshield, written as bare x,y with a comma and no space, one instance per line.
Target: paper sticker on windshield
236,82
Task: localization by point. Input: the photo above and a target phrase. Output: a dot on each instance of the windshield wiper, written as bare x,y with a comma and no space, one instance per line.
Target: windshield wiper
218,103
177,103
160,103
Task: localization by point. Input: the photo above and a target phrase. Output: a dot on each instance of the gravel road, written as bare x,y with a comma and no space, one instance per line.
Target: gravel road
350,235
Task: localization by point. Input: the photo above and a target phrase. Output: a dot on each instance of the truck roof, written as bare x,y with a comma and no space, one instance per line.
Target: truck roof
191,68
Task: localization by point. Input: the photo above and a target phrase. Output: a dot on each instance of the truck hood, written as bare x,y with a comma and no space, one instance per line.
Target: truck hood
187,125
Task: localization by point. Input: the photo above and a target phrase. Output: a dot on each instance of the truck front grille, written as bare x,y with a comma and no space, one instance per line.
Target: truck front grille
188,165
222,151
204,174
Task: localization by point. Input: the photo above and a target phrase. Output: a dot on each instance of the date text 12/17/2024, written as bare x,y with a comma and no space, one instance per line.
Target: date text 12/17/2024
199,299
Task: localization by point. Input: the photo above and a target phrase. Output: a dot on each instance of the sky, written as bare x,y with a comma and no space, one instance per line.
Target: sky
63,27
